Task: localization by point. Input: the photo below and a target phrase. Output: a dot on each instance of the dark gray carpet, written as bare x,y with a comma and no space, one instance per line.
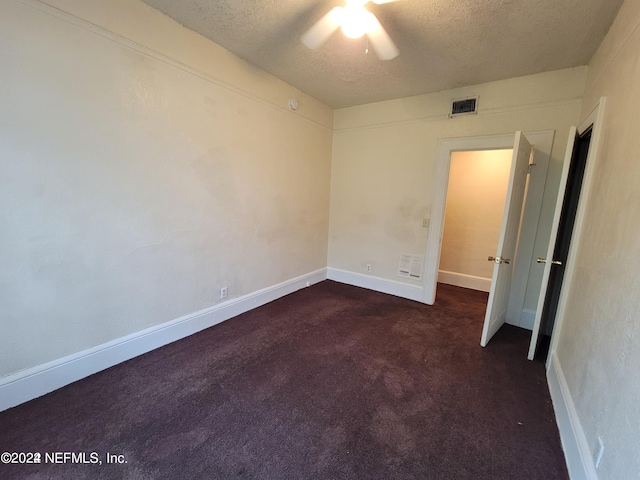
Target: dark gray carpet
331,382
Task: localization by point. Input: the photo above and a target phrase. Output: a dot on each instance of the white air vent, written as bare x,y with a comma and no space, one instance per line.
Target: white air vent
464,106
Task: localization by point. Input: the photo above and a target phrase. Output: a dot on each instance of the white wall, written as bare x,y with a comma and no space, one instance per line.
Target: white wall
599,344
476,193
142,169
384,158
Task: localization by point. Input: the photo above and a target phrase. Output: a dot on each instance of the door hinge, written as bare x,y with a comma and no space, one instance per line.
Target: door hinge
531,165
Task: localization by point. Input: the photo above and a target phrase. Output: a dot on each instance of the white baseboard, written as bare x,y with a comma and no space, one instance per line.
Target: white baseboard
399,289
464,280
42,379
526,320
574,442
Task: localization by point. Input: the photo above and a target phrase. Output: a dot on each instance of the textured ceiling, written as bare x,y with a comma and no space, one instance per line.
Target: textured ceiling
443,44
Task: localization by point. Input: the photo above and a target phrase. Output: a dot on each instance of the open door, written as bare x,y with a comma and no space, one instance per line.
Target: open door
535,335
577,172
507,242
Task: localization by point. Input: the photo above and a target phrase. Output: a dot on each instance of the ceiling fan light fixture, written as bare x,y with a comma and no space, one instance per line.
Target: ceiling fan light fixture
355,20
336,16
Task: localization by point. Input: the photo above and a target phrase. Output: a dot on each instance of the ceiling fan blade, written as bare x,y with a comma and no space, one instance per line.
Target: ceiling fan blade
380,40
323,28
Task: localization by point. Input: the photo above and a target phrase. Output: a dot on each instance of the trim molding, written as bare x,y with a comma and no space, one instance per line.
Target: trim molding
161,57
445,116
28,384
399,289
441,181
463,280
595,120
574,442
527,318
542,140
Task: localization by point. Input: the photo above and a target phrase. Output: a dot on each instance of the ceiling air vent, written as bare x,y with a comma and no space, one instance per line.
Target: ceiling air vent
464,106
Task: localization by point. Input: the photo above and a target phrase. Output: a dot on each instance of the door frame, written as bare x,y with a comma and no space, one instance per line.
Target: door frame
595,121
543,142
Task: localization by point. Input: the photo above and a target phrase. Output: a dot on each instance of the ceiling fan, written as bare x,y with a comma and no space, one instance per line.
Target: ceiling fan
355,21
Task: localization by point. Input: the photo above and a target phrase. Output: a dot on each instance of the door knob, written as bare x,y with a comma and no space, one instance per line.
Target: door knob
499,260
553,262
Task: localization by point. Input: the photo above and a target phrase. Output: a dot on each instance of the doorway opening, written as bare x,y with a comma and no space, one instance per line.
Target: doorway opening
476,193
571,199
510,281
566,230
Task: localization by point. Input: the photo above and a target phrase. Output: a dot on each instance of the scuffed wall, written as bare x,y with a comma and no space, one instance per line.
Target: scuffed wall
384,160
599,344
142,169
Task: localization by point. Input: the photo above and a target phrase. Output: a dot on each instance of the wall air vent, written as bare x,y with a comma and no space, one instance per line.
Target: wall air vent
464,106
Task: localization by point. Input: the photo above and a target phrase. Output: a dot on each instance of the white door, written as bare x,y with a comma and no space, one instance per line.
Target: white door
507,243
594,123
552,243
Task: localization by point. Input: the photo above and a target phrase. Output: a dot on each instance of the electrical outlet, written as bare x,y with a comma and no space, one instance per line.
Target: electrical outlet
369,268
597,453
223,292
